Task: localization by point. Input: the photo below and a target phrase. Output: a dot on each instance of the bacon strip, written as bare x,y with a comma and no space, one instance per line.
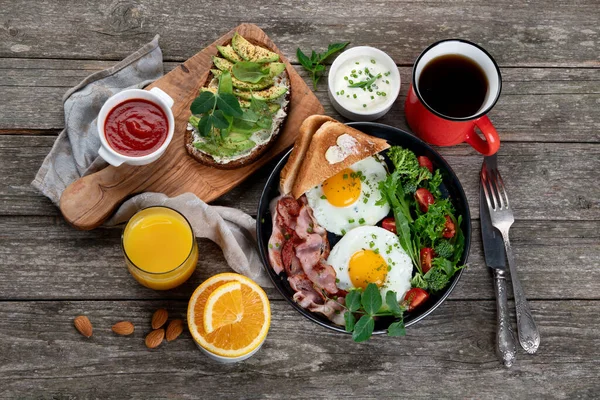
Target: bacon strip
300,248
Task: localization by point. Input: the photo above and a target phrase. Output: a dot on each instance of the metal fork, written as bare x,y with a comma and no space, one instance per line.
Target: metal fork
502,219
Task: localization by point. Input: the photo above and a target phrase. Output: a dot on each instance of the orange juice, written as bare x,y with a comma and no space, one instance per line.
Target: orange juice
160,248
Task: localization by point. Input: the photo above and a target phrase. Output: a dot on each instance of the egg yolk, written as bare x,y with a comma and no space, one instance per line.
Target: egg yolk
366,267
342,189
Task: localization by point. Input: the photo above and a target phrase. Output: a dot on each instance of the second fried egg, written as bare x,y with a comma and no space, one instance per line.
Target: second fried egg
349,199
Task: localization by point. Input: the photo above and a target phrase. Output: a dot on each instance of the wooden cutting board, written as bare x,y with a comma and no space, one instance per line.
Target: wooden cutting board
90,200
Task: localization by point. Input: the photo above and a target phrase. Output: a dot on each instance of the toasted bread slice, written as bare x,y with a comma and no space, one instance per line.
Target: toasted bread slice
316,167
305,134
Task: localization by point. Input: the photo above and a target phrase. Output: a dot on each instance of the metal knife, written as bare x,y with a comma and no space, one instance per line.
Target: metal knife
493,248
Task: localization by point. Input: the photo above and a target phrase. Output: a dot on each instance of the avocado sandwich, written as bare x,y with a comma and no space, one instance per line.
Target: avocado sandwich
241,108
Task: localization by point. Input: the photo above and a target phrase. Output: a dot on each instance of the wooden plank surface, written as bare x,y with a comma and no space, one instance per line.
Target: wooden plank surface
549,120
541,33
537,104
546,181
448,355
44,258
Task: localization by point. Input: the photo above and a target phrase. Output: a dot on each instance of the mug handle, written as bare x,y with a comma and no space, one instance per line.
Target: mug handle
491,144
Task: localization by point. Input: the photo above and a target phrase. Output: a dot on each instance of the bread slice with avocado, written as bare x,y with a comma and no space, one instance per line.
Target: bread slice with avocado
243,142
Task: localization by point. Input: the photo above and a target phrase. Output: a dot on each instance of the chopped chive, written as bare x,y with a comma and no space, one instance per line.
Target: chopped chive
361,221
373,61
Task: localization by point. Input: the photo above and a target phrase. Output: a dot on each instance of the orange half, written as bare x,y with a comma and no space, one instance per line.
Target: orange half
234,309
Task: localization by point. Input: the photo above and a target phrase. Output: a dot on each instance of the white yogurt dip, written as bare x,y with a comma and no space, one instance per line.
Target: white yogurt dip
362,83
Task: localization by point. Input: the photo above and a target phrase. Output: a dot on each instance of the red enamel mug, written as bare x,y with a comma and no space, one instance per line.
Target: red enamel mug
443,130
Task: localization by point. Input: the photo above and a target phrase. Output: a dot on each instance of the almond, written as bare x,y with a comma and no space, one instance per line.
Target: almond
123,328
159,318
155,338
83,325
174,329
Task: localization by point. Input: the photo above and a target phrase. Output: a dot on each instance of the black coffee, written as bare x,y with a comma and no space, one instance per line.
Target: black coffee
453,85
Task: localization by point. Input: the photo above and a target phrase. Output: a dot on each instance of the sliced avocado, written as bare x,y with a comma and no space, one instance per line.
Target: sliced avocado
244,103
275,68
274,107
236,137
208,89
271,93
229,53
227,148
222,64
250,52
260,85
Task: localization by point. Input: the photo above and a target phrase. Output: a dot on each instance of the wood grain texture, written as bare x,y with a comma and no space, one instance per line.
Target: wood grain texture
549,122
540,33
90,200
47,358
546,181
44,258
537,104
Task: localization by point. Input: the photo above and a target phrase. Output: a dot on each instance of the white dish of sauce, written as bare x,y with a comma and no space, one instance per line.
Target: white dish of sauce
364,83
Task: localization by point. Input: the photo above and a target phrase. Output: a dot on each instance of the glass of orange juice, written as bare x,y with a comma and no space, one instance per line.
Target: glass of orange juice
160,248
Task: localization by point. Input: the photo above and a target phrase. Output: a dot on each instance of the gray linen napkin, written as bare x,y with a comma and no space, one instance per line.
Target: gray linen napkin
75,154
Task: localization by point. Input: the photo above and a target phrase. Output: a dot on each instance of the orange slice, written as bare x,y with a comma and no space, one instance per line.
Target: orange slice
234,309
224,306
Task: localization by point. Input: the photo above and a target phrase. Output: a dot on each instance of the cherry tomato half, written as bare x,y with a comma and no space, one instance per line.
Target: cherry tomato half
426,256
389,224
414,298
425,162
449,229
424,198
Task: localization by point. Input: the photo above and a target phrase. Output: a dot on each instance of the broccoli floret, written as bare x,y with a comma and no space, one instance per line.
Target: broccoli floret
404,160
444,249
407,166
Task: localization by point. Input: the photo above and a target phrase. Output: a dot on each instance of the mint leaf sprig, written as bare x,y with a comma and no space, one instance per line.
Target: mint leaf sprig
313,64
251,72
370,304
217,110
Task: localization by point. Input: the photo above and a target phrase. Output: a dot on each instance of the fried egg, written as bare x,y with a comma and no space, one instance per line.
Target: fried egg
348,199
371,254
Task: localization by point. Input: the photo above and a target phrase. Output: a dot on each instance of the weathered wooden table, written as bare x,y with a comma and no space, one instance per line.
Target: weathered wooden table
549,120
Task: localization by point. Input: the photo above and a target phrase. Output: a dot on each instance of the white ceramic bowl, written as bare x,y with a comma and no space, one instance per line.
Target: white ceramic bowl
386,61
154,95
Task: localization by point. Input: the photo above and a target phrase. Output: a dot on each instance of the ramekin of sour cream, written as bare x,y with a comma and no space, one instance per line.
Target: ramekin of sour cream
364,83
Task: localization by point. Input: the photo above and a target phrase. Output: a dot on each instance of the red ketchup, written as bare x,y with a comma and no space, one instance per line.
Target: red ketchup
136,128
